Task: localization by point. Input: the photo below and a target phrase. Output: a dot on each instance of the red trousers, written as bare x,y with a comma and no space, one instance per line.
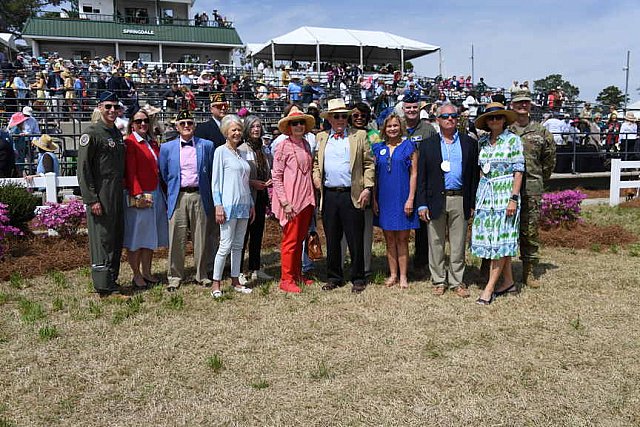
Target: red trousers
294,233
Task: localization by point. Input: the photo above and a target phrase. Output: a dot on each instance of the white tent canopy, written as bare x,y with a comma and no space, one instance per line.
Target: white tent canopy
334,44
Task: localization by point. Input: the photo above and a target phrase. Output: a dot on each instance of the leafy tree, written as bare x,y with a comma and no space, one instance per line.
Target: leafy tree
552,82
611,95
14,13
408,66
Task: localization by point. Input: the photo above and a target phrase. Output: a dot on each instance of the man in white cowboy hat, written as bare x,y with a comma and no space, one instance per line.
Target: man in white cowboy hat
344,173
540,160
628,132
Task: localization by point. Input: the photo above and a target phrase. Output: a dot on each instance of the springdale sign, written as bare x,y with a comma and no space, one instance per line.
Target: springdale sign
138,32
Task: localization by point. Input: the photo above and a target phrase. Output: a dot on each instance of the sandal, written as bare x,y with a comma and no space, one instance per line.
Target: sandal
513,289
390,282
481,301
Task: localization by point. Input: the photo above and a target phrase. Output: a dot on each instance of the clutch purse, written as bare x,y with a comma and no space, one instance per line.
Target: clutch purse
146,201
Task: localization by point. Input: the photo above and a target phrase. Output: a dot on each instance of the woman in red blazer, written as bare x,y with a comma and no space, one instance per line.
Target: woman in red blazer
145,226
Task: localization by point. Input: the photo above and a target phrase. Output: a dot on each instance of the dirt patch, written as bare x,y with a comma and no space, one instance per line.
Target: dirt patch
634,203
34,256
585,236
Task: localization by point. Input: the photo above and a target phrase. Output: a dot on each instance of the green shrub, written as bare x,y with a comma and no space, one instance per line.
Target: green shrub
20,203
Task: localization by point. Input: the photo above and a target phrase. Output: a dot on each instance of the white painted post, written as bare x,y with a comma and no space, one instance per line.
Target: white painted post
614,183
51,187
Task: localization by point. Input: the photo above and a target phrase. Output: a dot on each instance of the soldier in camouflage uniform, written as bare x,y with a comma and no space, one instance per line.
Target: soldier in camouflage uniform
101,162
540,159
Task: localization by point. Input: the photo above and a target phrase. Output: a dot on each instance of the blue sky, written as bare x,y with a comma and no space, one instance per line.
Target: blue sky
584,40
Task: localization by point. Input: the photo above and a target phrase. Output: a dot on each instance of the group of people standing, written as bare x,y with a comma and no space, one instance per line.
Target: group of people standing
213,182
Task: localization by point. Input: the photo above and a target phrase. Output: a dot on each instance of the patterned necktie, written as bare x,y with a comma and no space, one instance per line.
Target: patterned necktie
338,135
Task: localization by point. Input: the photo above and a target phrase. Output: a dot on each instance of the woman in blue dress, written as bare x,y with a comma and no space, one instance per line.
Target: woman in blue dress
495,231
396,181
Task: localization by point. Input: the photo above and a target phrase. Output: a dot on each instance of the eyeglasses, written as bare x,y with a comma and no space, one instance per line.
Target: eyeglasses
446,116
297,123
497,117
185,123
110,106
140,121
358,116
340,116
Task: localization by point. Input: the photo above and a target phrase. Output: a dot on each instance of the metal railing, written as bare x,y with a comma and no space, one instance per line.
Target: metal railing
119,18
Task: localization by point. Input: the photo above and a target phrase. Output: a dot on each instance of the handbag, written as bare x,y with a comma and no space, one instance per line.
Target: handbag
314,247
146,201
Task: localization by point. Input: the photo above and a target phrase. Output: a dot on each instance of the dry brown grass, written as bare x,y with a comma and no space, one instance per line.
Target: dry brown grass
562,355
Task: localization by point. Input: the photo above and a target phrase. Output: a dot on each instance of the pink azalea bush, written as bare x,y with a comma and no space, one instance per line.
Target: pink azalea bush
5,228
562,208
64,218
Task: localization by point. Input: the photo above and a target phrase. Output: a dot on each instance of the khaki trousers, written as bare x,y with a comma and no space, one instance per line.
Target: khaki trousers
452,218
190,215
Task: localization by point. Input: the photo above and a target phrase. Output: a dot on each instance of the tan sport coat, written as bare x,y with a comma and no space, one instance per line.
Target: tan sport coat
362,165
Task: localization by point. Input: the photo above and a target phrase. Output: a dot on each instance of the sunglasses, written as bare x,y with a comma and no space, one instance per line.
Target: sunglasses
340,116
297,123
446,116
110,106
220,106
359,116
140,121
498,117
186,123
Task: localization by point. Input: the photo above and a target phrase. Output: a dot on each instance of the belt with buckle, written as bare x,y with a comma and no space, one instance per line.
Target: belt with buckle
453,192
189,189
339,189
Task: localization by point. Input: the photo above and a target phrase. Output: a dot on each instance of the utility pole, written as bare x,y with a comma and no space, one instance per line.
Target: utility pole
473,79
626,82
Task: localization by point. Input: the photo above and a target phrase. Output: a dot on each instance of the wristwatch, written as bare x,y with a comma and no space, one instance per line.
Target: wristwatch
515,197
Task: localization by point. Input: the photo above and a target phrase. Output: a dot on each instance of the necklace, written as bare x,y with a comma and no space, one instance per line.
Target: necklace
233,150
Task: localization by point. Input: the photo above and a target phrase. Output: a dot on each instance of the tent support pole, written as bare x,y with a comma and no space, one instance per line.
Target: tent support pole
318,59
361,58
273,56
402,60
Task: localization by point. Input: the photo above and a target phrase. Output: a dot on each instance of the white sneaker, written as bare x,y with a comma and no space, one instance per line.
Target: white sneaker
242,289
260,275
242,279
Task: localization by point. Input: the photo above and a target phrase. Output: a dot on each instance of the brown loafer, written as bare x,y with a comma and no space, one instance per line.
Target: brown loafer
461,291
438,290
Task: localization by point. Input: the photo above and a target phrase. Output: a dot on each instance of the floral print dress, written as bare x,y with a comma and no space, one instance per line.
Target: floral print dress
495,235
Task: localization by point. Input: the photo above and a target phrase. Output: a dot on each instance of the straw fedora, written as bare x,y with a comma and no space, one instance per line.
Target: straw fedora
630,117
45,143
16,119
495,109
296,114
335,105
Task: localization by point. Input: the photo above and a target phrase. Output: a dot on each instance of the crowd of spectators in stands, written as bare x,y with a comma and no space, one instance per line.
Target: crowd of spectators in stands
52,86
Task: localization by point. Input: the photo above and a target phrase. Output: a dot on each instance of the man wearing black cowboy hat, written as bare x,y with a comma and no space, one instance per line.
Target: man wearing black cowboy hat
100,173
210,129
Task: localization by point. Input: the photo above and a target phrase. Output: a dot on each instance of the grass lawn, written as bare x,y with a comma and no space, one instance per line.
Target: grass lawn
562,355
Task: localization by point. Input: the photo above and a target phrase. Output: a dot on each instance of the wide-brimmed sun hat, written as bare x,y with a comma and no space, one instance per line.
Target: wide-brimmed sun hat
16,119
495,109
294,115
336,105
45,142
629,116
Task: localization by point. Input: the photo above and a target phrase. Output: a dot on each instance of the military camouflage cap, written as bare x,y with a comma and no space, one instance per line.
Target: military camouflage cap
521,95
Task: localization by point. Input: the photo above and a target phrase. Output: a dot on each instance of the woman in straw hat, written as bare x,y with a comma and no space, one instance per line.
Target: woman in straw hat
495,230
293,201
47,160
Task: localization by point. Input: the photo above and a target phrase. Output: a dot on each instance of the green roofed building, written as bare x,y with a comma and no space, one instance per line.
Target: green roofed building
153,30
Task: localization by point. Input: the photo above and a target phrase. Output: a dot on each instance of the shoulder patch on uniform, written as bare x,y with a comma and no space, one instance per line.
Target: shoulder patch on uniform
84,140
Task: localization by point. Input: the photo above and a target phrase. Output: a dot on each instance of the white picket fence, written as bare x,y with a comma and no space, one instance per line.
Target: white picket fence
50,182
616,184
